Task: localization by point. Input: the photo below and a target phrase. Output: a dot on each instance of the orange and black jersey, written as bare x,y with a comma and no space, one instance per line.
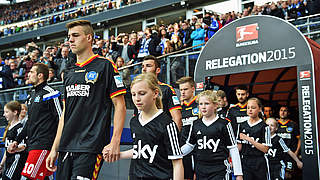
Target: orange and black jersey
155,145
189,113
260,132
277,152
289,132
170,100
44,111
89,88
236,115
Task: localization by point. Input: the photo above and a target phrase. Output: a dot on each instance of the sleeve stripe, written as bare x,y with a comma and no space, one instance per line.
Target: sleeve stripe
122,91
172,133
176,107
268,136
55,100
188,139
283,145
231,135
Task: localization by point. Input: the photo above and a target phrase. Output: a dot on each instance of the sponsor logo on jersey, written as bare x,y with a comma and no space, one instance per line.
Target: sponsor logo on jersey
37,99
195,111
82,90
247,142
305,75
80,71
205,143
242,119
145,151
272,152
285,135
91,77
175,100
188,121
118,81
247,35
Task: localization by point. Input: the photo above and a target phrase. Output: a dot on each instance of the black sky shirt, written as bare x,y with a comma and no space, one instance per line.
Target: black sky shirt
277,152
89,89
155,144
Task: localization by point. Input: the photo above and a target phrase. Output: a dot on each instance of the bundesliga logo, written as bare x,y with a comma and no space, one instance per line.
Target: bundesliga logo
305,75
247,35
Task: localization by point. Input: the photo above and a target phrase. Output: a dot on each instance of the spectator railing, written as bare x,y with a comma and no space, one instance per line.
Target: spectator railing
308,25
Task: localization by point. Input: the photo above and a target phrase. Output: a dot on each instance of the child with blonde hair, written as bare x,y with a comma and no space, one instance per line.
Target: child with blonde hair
156,152
212,139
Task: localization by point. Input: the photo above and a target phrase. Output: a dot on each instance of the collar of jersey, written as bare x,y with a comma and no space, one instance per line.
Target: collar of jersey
243,105
284,122
146,122
87,61
253,124
188,104
273,135
208,123
40,86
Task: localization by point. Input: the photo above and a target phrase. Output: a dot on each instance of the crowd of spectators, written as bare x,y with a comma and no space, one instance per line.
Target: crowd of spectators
37,9
126,49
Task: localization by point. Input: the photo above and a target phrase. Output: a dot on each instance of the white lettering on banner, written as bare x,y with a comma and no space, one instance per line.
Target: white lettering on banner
307,118
253,58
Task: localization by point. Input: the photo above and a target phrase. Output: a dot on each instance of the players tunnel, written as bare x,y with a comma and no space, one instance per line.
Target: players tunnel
277,64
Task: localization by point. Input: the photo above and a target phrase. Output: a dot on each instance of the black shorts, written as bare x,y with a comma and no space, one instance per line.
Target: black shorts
188,167
14,166
255,167
217,171
74,166
277,170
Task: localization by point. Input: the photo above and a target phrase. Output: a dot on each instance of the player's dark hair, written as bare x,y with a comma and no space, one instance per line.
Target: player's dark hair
221,94
242,87
152,82
12,106
186,79
44,69
150,57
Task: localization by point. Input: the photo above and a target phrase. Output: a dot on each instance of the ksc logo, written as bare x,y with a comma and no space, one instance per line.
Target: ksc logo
305,75
247,35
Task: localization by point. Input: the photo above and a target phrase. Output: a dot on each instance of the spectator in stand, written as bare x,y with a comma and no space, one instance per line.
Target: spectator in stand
163,41
186,31
168,47
51,77
6,81
275,11
193,22
125,73
61,61
177,67
124,49
198,36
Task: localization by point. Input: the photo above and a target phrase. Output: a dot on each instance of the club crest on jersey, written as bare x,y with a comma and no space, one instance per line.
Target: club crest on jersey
289,129
195,111
37,99
91,77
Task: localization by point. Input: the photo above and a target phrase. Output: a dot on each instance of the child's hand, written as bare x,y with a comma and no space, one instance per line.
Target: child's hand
244,137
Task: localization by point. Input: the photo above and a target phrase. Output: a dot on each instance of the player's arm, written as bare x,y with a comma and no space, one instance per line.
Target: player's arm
53,155
112,150
295,158
298,146
178,171
176,117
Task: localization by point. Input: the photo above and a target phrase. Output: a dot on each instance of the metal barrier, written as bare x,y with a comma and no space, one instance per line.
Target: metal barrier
308,25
